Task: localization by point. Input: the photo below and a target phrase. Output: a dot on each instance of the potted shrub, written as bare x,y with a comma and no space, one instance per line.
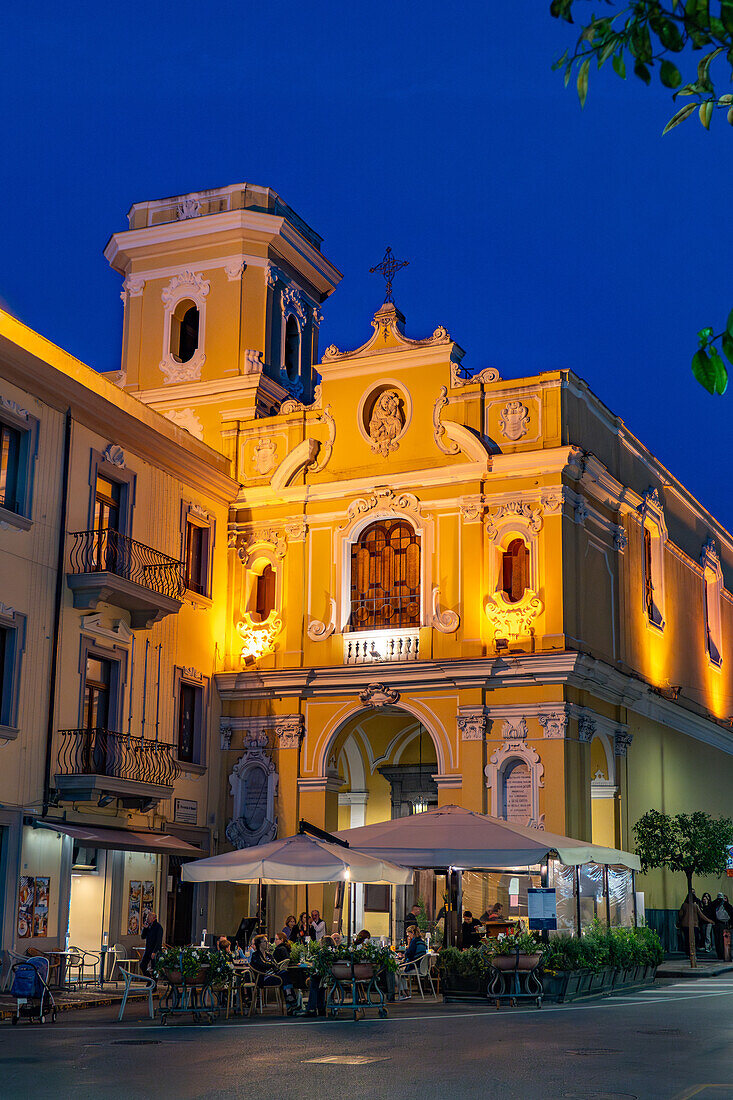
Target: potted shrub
517,951
464,972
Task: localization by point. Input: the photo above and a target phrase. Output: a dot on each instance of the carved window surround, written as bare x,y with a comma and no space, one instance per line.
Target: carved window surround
186,285
383,503
651,517
514,749
256,550
712,579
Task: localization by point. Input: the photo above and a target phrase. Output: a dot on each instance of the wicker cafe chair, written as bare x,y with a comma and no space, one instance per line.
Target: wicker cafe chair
259,996
246,984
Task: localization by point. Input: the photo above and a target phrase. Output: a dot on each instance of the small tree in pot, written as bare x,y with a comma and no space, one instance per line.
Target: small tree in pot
694,844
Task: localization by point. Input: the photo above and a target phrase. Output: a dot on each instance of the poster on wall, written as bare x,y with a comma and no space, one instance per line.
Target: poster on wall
40,906
148,902
133,908
33,896
25,906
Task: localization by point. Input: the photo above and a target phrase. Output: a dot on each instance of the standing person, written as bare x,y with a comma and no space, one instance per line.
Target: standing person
301,929
317,928
410,919
153,936
723,920
705,941
683,922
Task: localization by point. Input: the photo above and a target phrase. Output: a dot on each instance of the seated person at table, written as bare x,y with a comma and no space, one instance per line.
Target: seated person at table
225,946
362,937
496,912
416,947
289,928
469,935
337,939
317,993
282,947
266,971
317,927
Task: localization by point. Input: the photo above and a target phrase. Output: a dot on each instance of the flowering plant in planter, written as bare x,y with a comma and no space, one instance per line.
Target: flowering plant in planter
189,962
526,943
323,957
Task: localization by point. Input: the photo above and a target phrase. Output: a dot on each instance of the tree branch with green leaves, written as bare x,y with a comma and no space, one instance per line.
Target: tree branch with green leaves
648,34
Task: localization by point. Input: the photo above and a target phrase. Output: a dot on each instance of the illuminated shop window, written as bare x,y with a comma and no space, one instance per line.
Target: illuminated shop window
385,576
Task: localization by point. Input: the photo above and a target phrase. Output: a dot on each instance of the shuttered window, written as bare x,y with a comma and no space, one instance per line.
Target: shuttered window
385,577
515,570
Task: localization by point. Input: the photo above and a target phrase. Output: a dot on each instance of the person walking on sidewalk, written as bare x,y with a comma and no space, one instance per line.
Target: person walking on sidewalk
723,913
683,920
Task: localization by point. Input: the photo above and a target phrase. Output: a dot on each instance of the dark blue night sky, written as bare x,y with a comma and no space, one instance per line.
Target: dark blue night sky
540,235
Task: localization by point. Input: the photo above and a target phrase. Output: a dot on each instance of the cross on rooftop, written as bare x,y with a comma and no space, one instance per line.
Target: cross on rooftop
388,268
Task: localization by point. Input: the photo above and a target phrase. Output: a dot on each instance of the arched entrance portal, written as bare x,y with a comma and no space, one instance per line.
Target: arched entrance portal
387,759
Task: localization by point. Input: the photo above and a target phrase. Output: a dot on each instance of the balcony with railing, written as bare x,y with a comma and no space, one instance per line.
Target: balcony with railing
107,567
99,765
375,647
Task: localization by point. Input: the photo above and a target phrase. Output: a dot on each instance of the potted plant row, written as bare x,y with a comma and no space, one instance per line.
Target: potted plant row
192,975
596,962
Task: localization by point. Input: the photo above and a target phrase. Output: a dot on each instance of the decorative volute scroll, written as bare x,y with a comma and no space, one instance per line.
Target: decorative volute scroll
253,784
389,334
253,362
471,724
290,731
460,377
513,620
446,621
621,742
258,639
384,498
379,695
529,513
555,724
327,447
318,631
114,454
451,447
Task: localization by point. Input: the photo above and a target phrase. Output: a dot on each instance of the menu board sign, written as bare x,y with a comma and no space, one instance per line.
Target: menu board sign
33,894
542,909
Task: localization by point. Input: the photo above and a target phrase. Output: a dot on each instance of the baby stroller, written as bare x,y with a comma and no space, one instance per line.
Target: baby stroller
33,998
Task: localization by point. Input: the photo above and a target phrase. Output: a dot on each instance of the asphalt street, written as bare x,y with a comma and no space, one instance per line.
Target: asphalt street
671,1042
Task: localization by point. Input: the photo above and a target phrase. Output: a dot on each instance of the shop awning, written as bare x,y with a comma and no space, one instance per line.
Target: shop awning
451,836
123,840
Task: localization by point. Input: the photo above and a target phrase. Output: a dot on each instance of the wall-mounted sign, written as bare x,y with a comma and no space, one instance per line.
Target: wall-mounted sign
542,909
185,810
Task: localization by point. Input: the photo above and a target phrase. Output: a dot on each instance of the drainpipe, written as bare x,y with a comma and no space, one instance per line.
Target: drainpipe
58,602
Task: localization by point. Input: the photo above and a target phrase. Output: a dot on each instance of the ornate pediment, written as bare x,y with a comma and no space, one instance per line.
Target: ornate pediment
389,335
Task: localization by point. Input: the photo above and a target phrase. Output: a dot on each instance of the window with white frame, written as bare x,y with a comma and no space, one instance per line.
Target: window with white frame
712,580
12,645
653,539
191,693
184,323
18,448
197,534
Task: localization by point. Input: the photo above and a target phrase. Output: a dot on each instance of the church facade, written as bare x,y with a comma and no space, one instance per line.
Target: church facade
435,586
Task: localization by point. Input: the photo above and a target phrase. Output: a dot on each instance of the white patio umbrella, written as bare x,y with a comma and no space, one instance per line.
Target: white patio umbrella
296,860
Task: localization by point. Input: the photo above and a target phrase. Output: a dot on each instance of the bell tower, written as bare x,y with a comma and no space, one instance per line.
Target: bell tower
222,292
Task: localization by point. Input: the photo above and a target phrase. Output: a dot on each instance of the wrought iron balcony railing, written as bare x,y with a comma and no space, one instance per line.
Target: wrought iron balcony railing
107,551
102,752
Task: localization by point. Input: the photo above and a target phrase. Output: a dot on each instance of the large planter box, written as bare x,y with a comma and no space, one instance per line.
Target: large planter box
572,985
458,987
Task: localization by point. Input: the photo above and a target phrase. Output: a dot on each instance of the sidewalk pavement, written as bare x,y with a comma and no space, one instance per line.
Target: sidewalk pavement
679,967
68,999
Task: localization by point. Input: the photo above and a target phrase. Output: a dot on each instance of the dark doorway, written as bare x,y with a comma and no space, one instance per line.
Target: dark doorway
179,924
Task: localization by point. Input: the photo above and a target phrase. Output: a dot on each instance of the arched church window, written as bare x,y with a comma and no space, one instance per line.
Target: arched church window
515,570
385,577
292,348
264,594
184,331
